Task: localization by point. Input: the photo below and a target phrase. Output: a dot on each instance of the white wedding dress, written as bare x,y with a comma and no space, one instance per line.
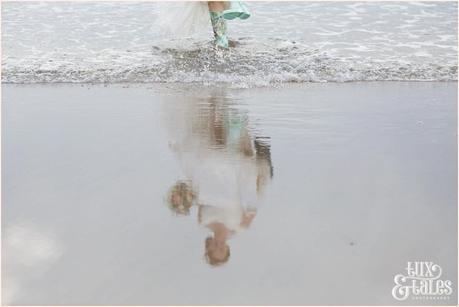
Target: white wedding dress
182,19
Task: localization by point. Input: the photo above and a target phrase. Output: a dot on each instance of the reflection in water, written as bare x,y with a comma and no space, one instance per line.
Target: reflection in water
226,166
28,251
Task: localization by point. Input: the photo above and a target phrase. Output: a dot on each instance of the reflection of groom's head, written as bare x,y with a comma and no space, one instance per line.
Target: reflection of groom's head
217,251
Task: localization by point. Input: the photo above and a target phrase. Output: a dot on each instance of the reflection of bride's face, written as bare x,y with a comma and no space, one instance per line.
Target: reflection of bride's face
217,251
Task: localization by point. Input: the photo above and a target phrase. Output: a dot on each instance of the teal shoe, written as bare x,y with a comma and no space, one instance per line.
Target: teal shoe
237,9
219,28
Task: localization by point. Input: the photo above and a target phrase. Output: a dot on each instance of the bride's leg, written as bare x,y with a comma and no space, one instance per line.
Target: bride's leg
216,6
218,22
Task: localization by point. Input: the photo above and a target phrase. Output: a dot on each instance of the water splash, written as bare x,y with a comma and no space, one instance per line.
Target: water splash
252,62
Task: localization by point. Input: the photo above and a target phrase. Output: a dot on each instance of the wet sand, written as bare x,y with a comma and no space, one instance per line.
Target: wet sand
332,188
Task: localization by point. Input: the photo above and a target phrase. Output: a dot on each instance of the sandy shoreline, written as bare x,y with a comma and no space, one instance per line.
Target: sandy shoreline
363,180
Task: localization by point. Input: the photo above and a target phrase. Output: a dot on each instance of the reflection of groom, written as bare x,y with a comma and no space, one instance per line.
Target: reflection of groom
226,172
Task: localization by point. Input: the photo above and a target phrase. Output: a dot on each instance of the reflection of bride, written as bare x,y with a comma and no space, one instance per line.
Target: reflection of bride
226,170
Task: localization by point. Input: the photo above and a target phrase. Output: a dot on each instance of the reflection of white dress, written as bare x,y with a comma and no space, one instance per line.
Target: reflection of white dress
224,179
226,185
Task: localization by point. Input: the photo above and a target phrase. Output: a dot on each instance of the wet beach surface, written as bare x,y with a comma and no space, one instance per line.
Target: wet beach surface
84,42
339,185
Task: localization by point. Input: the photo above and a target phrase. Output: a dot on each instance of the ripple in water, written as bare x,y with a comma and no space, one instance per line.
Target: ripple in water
293,42
250,63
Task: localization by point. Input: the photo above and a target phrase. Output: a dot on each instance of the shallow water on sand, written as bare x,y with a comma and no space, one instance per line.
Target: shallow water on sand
324,192
109,42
